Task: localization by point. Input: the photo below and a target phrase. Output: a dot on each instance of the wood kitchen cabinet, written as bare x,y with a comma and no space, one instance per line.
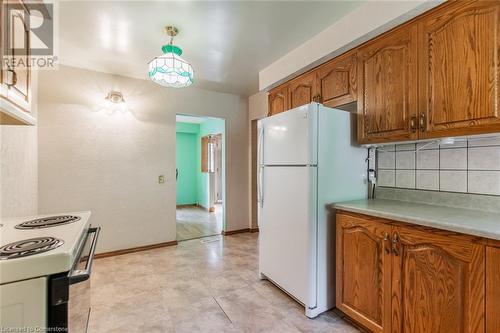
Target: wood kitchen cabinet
387,89
364,271
438,281
337,81
15,88
278,100
302,90
459,69
493,288
394,277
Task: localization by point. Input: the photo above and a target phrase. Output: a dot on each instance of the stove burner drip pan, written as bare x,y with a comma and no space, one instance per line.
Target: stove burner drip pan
48,222
29,247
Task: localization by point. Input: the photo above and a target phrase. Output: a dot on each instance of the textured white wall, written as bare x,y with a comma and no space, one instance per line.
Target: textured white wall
19,166
360,25
109,163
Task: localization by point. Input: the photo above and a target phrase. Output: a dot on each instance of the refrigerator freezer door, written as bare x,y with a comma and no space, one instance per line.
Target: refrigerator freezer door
287,223
290,138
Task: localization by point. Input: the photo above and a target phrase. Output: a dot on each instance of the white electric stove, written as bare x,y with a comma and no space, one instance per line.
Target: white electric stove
45,266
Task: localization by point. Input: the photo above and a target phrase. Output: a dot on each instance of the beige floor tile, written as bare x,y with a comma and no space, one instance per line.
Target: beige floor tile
197,286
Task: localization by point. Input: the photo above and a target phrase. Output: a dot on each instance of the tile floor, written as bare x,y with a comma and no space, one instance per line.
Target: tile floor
196,222
208,285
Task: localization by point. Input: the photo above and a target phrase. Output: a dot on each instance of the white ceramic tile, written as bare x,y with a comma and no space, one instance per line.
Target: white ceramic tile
493,141
460,143
386,160
484,182
428,159
405,160
453,181
427,145
484,158
386,178
428,180
405,178
387,148
455,159
407,146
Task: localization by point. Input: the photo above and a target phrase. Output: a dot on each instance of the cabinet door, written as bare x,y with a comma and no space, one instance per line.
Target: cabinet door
278,100
387,94
302,90
18,35
459,69
492,289
363,287
438,282
337,81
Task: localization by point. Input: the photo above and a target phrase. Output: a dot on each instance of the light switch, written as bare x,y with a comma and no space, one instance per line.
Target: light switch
161,179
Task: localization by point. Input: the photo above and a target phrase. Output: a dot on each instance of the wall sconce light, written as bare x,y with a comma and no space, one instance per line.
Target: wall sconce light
114,101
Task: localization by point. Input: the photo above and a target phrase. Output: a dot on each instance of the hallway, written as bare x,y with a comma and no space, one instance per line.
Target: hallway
195,222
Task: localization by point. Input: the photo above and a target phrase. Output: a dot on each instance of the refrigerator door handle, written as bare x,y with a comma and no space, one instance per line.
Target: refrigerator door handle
260,148
261,185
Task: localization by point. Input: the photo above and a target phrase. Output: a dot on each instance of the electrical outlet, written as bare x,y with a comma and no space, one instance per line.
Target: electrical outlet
161,179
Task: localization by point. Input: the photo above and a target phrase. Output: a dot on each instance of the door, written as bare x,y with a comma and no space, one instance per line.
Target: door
337,81
290,137
364,271
387,94
278,100
287,229
438,282
302,90
459,69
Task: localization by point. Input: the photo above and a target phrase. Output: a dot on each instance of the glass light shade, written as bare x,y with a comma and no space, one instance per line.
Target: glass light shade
170,69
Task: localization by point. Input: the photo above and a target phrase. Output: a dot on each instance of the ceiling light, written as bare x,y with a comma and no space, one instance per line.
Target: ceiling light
115,101
169,69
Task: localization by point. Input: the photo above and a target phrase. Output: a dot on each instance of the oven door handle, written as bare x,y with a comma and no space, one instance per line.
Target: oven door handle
79,275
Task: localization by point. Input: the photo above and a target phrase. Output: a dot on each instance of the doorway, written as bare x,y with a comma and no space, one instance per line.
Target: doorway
200,176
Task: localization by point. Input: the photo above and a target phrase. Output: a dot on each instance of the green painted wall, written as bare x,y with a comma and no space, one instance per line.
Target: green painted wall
209,126
187,136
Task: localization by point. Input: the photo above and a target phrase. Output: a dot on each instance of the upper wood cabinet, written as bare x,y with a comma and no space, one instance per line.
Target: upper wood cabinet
302,90
337,81
278,100
392,277
364,272
459,47
15,88
387,89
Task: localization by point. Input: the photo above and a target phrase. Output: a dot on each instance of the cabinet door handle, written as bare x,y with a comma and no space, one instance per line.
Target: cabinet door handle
395,241
413,123
11,78
386,246
422,122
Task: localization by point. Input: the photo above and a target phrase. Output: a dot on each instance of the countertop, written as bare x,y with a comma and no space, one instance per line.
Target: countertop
466,221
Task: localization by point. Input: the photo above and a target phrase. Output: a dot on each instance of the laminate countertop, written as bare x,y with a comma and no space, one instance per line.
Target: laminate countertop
466,221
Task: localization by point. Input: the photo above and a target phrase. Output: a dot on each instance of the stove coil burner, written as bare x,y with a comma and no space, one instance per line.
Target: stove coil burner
48,222
29,247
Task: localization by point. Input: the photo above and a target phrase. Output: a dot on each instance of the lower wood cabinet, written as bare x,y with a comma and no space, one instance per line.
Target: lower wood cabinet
393,277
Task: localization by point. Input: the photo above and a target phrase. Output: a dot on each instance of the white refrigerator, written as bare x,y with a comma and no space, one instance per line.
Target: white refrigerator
307,159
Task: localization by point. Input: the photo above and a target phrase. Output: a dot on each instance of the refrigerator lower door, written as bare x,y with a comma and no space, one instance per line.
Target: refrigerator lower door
290,138
288,230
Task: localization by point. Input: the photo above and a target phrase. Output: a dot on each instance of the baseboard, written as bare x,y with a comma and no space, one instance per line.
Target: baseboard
187,205
256,229
232,232
134,249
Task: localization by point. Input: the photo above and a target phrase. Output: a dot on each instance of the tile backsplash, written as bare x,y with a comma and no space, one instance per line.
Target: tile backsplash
465,166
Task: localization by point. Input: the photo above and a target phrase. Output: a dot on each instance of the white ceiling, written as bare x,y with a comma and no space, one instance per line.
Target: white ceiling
227,42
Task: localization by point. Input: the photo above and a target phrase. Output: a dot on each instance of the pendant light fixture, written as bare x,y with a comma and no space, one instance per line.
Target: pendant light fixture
169,69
